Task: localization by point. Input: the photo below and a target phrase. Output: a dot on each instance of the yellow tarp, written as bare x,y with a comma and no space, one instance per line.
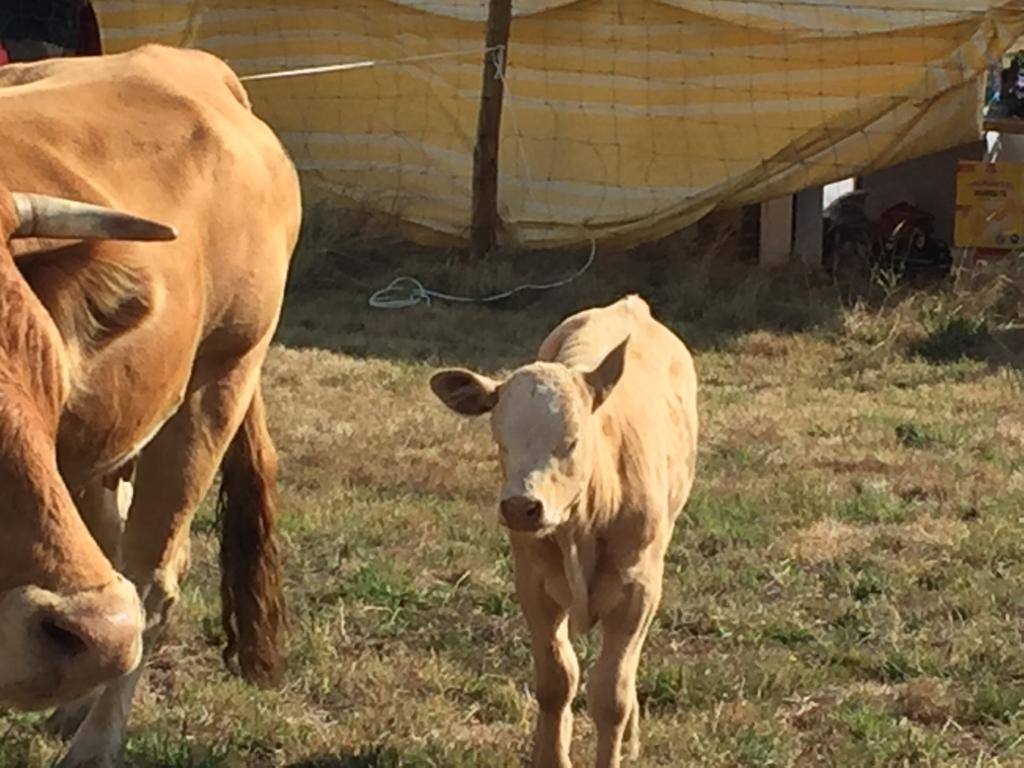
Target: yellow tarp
623,118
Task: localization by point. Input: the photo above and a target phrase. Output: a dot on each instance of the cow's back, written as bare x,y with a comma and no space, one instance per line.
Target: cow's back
654,405
120,127
162,132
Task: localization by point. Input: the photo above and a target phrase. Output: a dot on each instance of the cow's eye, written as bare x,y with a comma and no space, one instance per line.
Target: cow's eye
572,445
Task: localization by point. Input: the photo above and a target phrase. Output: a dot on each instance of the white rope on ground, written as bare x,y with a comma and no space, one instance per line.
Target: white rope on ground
367,63
404,292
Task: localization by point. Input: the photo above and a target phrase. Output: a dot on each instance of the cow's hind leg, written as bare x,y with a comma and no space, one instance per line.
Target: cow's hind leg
174,473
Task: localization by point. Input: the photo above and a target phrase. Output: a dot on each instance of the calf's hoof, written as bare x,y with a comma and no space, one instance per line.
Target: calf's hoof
633,750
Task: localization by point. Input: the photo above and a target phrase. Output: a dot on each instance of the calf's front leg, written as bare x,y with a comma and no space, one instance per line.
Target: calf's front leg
556,672
611,689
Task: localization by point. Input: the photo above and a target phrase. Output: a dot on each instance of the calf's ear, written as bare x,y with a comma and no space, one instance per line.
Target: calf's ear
465,392
602,380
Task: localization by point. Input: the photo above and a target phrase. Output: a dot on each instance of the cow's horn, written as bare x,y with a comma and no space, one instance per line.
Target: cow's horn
45,216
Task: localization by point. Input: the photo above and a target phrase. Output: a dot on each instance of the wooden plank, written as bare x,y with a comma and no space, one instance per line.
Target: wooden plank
484,224
1004,125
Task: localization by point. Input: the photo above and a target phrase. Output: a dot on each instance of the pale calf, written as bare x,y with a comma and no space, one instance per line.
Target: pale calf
597,442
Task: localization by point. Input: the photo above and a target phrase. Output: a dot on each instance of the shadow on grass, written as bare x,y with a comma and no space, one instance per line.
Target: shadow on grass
707,301
1003,348
699,286
975,340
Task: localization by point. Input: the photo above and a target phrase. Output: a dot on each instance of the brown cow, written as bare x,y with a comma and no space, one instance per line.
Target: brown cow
159,347
68,620
597,443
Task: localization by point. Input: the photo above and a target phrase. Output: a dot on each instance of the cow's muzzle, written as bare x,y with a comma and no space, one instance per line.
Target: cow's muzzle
59,647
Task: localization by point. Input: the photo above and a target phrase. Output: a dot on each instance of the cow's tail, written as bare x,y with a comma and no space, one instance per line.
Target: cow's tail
251,583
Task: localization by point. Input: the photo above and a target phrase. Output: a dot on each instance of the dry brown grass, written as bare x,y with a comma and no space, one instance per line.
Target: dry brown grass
842,590
826,541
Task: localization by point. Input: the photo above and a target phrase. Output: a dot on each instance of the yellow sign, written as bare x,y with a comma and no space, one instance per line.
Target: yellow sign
989,205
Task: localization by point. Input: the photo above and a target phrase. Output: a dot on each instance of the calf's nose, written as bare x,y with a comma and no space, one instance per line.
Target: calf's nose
522,513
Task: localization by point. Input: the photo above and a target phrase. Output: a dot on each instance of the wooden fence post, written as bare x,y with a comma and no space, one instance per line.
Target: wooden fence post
484,224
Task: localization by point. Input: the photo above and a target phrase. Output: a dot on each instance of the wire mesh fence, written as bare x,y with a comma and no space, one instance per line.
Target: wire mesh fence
625,119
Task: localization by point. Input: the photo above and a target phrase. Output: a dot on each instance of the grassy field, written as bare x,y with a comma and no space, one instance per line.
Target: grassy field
845,587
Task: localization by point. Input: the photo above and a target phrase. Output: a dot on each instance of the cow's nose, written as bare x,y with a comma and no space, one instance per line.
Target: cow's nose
522,513
96,635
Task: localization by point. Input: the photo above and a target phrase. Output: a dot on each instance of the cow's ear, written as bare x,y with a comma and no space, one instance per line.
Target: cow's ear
465,392
602,380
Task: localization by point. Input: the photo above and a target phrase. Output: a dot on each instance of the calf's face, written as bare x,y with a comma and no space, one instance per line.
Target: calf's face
543,422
